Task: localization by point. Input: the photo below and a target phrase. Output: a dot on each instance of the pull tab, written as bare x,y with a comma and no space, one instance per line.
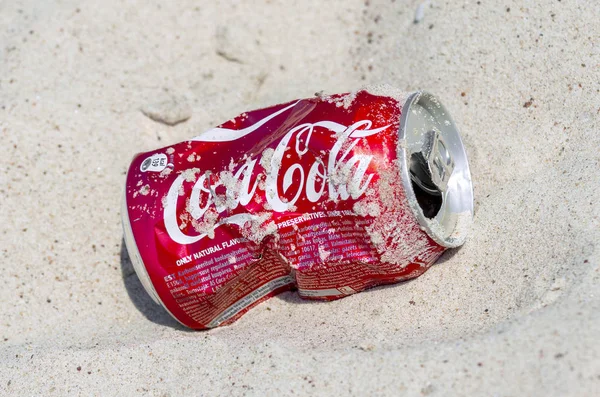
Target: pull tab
439,160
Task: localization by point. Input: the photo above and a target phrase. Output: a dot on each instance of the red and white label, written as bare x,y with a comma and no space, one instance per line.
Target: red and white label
302,195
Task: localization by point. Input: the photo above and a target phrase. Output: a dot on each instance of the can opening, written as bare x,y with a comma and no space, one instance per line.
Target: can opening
428,195
435,170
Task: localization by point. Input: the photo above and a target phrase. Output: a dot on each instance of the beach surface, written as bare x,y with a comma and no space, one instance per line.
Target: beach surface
515,311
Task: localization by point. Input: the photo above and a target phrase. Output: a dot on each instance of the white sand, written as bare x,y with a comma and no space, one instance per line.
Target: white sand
516,311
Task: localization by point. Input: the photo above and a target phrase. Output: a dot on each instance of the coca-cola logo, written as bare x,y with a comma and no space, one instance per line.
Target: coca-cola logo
342,174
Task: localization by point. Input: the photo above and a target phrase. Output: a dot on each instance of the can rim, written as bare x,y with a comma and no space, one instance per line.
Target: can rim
136,259
450,226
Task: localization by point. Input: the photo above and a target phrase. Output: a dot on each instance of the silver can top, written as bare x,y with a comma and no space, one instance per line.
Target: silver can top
435,170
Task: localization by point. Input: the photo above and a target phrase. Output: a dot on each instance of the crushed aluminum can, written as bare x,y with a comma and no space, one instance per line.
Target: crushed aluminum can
328,195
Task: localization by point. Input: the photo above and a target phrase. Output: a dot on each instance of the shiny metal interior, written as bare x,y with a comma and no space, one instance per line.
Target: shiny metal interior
435,170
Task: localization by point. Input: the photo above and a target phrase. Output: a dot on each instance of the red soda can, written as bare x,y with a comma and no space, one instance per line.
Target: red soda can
328,195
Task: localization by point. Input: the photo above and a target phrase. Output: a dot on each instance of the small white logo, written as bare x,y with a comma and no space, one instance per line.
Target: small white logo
156,163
